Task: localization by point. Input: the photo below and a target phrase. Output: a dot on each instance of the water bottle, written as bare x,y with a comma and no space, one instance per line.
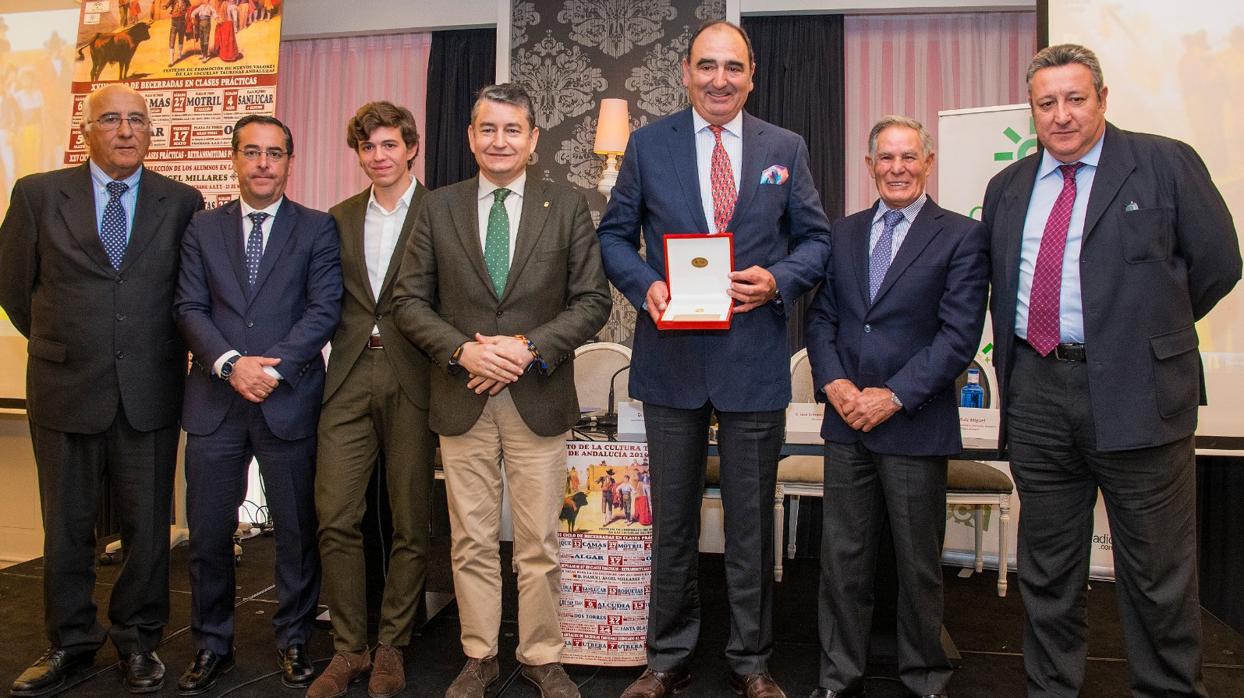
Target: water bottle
972,395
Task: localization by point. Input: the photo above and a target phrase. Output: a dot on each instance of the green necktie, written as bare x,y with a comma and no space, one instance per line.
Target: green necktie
497,242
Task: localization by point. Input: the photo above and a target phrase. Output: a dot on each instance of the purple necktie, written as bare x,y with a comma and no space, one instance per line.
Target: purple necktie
1047,275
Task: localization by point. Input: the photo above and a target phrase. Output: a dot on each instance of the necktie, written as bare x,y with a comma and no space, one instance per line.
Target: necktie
254,245
1047,274
879,260
721,178
497,242
112,228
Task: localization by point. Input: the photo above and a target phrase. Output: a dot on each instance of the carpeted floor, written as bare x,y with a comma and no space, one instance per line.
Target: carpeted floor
985,628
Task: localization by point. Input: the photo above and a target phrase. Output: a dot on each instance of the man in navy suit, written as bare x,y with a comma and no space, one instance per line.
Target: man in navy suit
715,164
897,319
1107,247
258,298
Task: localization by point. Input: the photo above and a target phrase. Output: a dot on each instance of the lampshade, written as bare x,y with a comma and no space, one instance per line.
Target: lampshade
614,128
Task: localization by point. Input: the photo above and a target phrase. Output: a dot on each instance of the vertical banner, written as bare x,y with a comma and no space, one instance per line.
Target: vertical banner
201,65
606,553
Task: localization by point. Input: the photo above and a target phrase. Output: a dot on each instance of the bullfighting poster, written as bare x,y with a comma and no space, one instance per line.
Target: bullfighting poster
201,64
606,553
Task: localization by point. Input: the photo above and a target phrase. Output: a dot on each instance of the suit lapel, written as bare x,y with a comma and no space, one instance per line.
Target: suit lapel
148,215
354,247
753,162
684,164
282,231
1013,210
922,231
1113,168
530,225
465,214
231,233
399,249
857,241
79,216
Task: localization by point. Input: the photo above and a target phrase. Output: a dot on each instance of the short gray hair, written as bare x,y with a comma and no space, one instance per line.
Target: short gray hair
510,93
890,120
1066,54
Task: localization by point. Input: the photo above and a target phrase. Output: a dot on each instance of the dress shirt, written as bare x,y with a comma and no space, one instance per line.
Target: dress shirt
266,227
513,208
380,233
900,230
129,200
705,141
1045,191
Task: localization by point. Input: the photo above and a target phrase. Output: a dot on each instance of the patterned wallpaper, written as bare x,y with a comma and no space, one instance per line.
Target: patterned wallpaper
570,54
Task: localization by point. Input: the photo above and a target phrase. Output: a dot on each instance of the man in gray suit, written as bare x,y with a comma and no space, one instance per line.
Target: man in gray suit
375,405
501,281
1107,247
88,265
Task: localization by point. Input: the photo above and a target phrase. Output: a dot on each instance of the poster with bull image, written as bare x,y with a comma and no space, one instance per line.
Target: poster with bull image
606,553
201,64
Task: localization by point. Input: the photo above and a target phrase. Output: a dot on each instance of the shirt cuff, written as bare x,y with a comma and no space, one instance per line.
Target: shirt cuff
220,363
272,372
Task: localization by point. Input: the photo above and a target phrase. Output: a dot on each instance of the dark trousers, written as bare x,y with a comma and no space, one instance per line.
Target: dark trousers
750,444
369,415
139,467
216,470
864,490
1150,496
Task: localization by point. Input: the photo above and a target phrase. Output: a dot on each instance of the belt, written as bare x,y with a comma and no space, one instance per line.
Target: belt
1067,351
374,342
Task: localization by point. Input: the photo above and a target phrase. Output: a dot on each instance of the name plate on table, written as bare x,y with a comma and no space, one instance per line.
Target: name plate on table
979,427
803,422
697,270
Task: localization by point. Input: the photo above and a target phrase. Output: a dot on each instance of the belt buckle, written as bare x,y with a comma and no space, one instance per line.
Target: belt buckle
1069,352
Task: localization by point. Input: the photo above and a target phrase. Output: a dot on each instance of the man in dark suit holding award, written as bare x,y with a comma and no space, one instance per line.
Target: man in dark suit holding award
713,168
501,282
897,319
88,264
258,298
1107,247
375,405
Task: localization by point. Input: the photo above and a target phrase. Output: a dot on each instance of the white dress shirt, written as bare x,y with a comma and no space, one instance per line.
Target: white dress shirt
705,141
381,229
266,227
513,208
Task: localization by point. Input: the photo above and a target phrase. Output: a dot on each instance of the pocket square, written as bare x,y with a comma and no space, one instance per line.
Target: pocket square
774,174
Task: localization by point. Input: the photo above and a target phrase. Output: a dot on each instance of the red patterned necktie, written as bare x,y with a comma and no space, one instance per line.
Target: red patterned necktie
1047,275
722,179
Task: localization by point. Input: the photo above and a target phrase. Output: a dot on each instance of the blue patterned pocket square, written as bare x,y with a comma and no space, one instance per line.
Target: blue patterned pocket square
774,174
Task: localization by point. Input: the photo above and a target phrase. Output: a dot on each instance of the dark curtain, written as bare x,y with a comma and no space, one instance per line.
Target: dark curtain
1220,489
461,62
799,85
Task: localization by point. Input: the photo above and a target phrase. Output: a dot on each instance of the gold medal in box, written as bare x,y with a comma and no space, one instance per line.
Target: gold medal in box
697,270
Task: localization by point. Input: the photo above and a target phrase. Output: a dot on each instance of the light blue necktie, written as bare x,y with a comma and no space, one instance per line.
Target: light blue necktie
879,261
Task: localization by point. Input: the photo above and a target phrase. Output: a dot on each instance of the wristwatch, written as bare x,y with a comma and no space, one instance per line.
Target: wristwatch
894,398
226,369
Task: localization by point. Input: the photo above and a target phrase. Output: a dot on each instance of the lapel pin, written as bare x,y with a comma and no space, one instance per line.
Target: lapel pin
546,204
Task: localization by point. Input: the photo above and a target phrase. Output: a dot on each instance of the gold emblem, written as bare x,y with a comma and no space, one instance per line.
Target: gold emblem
699,262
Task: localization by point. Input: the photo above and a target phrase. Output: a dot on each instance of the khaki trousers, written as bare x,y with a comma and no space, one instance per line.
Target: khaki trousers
535,470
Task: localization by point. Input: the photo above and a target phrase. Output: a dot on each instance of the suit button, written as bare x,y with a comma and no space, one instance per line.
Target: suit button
120,355
378,316
250,323
868,328
120,317
500,313
120,280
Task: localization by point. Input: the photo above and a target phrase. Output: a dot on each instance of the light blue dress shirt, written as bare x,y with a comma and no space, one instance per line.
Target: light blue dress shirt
129,200
900,230
1044,192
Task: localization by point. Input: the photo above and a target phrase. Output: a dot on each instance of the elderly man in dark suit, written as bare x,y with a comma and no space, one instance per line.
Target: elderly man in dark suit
88,264
714,164
502,280
375,405
898,318
1107,247
258,298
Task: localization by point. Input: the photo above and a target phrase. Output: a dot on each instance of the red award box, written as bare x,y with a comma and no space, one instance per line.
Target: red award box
697,270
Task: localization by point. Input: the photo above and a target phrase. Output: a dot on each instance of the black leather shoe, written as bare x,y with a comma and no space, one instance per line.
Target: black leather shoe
296,669
203,673
50,671
143,672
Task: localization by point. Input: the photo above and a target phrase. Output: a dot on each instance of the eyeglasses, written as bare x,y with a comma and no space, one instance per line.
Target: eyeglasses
112,121
274,154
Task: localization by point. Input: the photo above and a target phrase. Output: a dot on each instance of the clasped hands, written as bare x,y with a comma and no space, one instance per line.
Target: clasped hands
751,287
251,380
862,410
493,362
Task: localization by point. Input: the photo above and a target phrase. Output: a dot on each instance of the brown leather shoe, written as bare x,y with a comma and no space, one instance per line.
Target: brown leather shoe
551,679
657,684
388,673
756,685
476,676
343,670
